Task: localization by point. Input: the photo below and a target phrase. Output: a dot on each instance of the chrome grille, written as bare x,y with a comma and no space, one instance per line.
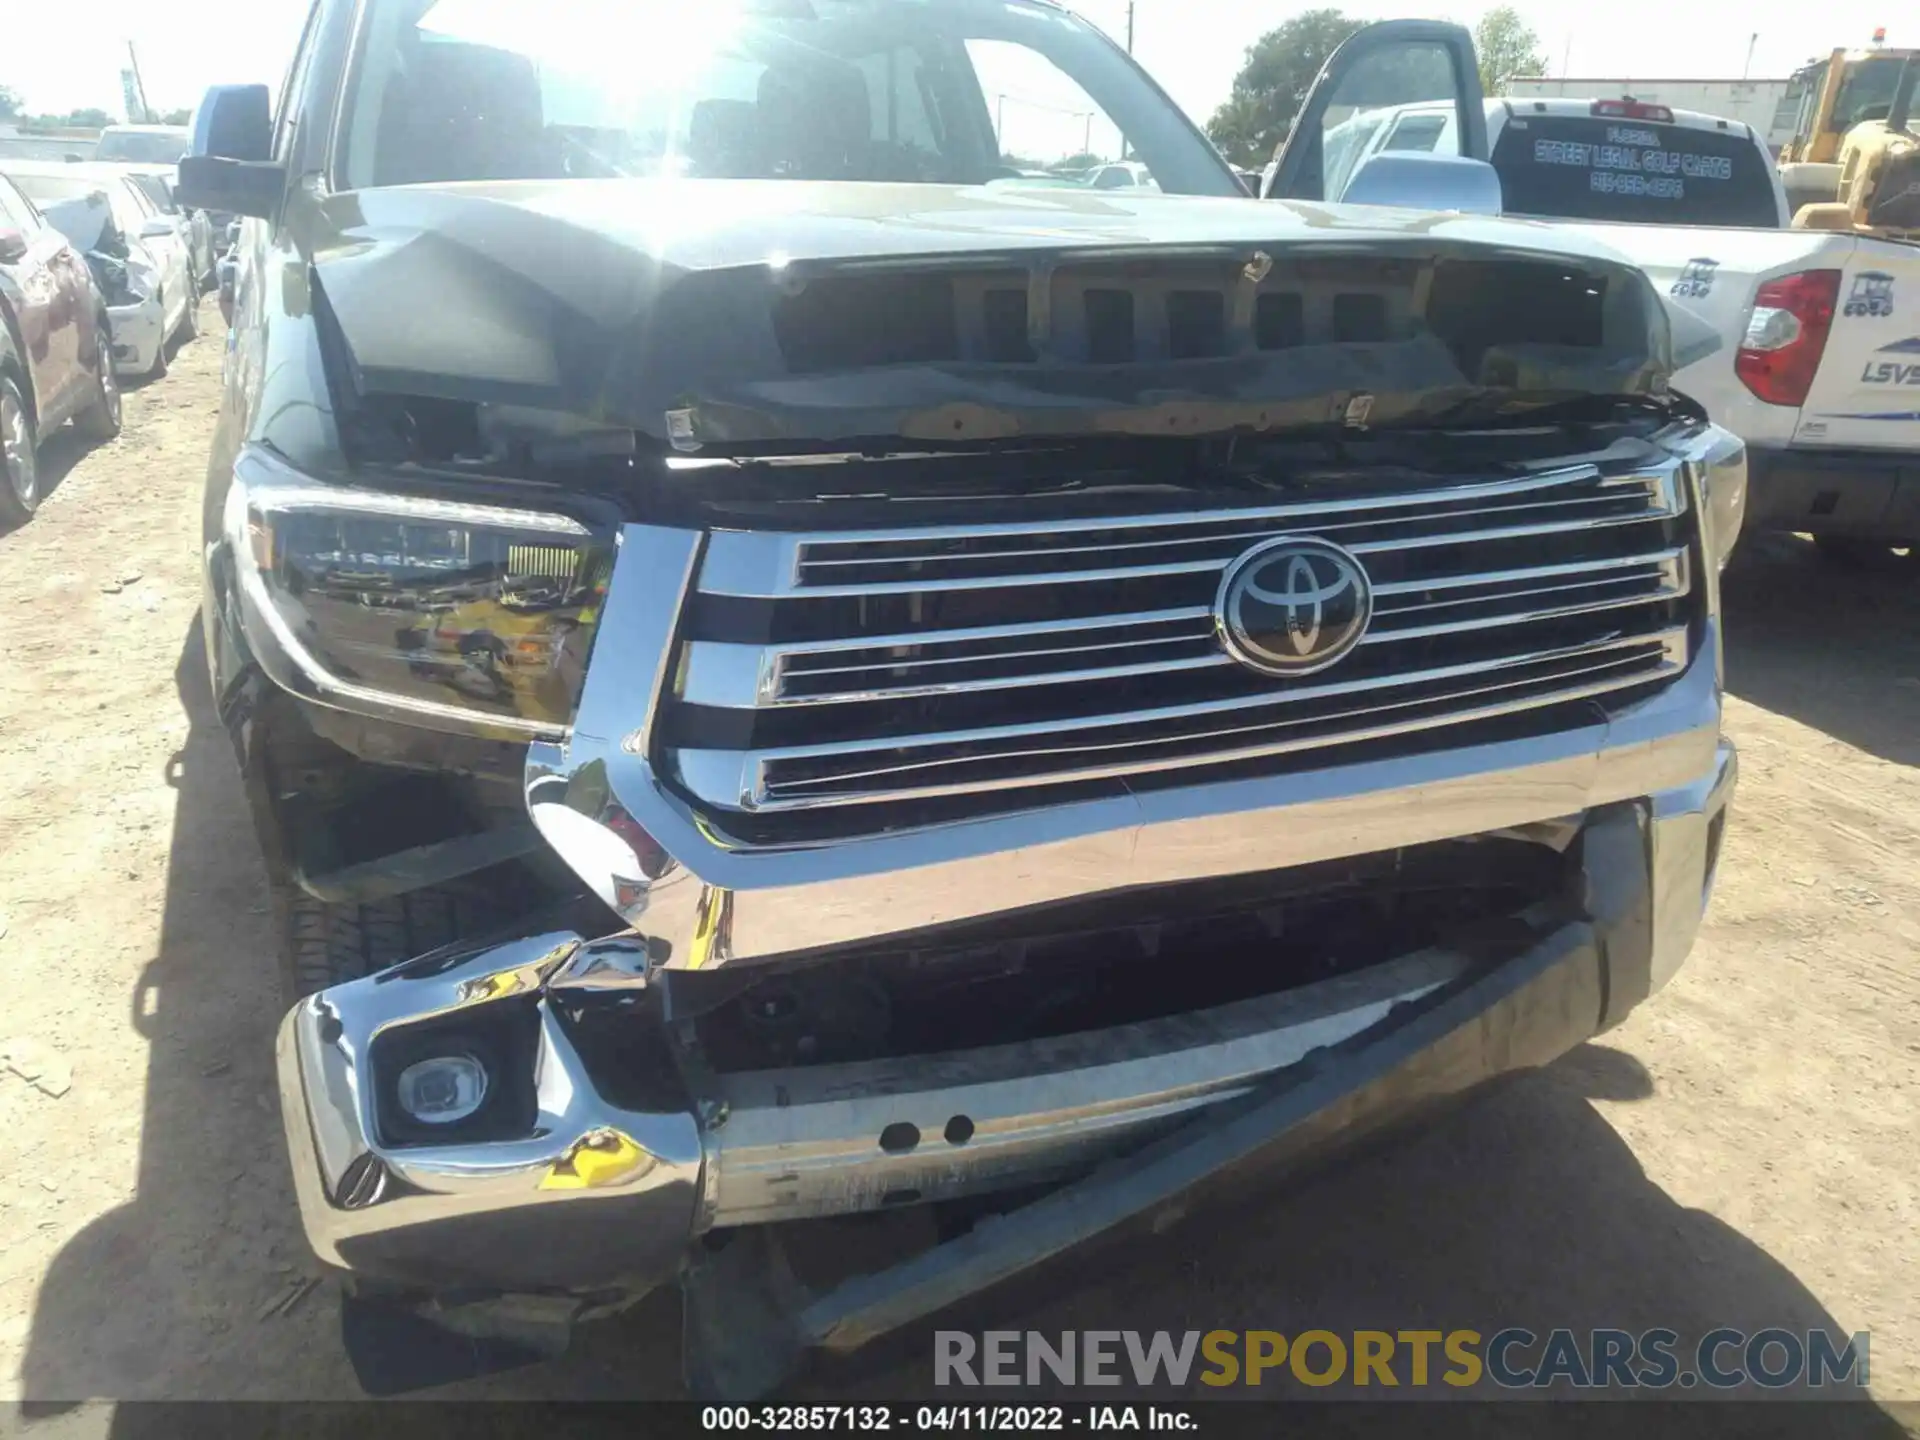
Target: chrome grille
838,669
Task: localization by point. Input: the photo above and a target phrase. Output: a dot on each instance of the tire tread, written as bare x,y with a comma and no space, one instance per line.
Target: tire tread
328,944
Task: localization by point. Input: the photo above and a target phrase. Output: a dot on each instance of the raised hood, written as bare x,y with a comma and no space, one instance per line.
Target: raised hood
761,312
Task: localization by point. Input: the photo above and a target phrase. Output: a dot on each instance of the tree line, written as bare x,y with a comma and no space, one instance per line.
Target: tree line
13,111
1281,65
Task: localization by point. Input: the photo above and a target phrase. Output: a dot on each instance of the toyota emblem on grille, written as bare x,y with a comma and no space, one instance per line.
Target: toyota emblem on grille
1293,606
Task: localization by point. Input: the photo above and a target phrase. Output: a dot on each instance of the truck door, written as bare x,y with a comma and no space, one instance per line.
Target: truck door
1381,67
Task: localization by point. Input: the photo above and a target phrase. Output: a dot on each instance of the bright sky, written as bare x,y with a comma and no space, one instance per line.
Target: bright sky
1192,46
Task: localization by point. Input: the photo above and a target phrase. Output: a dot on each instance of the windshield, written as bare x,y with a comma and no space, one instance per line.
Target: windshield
142,147
1577,167
1867,92
962,92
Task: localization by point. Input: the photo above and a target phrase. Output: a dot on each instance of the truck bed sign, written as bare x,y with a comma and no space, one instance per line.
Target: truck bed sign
1633,161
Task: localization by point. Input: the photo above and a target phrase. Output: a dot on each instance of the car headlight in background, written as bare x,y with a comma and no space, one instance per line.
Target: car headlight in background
452,615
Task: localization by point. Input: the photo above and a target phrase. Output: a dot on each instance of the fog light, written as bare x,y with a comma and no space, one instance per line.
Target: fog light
443,1090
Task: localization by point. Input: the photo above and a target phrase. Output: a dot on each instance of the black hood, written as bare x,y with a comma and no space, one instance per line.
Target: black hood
755,312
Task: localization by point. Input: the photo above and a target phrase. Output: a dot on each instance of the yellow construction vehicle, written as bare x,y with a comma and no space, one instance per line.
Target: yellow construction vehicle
1854,160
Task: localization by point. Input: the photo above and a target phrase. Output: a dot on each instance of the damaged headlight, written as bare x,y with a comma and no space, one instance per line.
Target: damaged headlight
449,614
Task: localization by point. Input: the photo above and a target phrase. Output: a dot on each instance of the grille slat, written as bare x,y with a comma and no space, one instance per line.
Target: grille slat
1617,504
758,564
944,662
880,703
775,779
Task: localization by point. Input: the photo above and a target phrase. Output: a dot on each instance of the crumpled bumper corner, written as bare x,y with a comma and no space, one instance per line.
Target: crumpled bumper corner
384,1195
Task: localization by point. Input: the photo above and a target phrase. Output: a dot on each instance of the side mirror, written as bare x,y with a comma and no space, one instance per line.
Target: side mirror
158,228
234,122
227,167
13,246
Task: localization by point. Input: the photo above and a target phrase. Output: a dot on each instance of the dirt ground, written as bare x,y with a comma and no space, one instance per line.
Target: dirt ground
1742,1153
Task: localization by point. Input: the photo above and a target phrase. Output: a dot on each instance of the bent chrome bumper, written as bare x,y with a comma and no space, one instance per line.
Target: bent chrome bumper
593,1173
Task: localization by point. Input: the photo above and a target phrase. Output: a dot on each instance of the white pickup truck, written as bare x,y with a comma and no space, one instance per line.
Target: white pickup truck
1819,369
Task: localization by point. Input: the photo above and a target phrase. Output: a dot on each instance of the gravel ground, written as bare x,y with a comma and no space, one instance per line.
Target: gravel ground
1741,1153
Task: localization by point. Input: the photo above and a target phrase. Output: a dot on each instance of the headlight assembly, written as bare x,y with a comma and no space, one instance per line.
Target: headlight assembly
451,615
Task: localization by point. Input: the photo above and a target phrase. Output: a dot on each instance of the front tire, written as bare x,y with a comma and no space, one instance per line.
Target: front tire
19,457
100,421
328,944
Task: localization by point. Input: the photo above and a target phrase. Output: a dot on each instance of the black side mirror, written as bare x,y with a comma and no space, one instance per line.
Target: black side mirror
228,166
234,122
13,245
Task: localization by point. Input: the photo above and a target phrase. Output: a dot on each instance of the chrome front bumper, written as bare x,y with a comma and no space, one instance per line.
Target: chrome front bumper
641,1172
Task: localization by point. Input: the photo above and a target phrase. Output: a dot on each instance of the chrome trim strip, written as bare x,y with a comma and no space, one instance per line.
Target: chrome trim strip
1276,696
751,676
661,563
768,565
767,795
740,677
1673,586
1594,569
1009,632
1014,580
1238,535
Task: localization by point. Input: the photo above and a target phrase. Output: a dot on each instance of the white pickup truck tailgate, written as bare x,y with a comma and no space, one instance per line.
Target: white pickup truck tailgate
1714,273
1867,394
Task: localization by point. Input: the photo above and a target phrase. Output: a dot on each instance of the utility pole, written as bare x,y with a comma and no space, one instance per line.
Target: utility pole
1129,27
1747,68
140,88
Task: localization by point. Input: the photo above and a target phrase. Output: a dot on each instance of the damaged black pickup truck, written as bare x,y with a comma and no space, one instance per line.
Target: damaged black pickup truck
792,662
